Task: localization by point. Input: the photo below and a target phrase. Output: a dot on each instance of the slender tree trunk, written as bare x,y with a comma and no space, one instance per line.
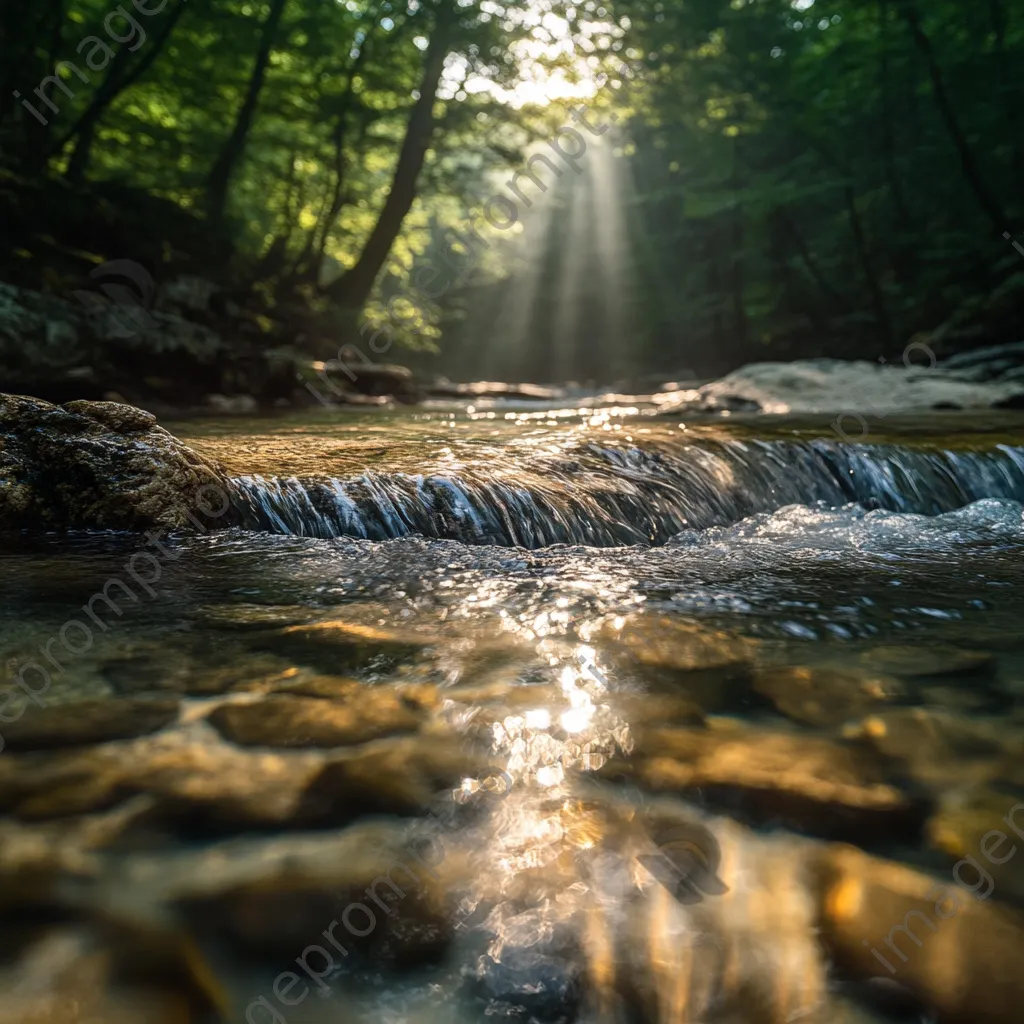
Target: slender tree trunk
739,311
338,137
354,288
121,75
972,173
231,155
35,145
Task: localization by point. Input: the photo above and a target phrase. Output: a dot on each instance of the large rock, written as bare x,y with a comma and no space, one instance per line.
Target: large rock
89,721
288,721
840,386
834,790
943,941
102,465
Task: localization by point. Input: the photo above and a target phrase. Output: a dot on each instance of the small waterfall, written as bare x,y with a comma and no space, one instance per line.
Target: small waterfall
607,496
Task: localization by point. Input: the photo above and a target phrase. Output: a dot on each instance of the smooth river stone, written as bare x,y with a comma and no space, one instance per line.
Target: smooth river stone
339,645
76,973
710,667
936,748
959,955
989,827
291,721
200,785
276,895
86,722
937,661
824,788
822,695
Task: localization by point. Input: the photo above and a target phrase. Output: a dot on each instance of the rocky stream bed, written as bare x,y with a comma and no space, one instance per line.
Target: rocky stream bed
411,730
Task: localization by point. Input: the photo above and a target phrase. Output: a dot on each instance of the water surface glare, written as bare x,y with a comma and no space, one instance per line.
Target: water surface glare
487,679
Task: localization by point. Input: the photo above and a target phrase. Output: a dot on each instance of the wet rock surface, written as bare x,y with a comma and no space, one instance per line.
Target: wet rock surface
293,721
101,465
850,387
338,645
88,722
542,738
819,786
824,696
711,668
981,831
956,953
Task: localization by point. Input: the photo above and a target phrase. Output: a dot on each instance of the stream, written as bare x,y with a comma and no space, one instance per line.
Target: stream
515,713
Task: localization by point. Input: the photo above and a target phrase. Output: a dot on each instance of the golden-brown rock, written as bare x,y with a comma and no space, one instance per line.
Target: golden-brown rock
102,465
88,721
958,953
826,788
823,695
292,721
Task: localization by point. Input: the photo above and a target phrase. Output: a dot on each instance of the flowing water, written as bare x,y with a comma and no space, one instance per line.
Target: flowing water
649,720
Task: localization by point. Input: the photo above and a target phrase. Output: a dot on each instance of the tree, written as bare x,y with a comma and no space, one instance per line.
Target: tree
234,148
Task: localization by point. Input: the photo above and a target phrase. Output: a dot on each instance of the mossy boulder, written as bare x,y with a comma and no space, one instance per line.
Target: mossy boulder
102,465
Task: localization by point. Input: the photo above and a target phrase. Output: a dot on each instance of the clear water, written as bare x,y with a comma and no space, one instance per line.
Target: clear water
575,598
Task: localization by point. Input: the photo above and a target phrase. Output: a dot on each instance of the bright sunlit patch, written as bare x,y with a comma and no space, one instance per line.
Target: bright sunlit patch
577,719
538,718
550,775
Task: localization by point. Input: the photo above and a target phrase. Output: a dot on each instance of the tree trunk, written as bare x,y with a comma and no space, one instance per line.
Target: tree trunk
120,77
830,296
34,147
20,34
354,288
739,310
972,173
230,156
338,137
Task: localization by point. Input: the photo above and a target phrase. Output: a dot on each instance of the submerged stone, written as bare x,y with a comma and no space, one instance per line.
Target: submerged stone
936,747
276,895
959,954
920,661
814,785
402,775
86,722
822,695
982,832
338,645
668,653
124,971
196,785
293,721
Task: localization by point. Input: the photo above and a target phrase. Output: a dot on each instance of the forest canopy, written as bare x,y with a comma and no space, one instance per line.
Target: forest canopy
786,178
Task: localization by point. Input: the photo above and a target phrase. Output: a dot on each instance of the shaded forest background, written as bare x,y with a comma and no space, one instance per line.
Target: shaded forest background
792,178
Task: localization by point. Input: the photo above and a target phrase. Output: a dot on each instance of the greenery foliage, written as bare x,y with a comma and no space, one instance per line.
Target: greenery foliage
798,177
